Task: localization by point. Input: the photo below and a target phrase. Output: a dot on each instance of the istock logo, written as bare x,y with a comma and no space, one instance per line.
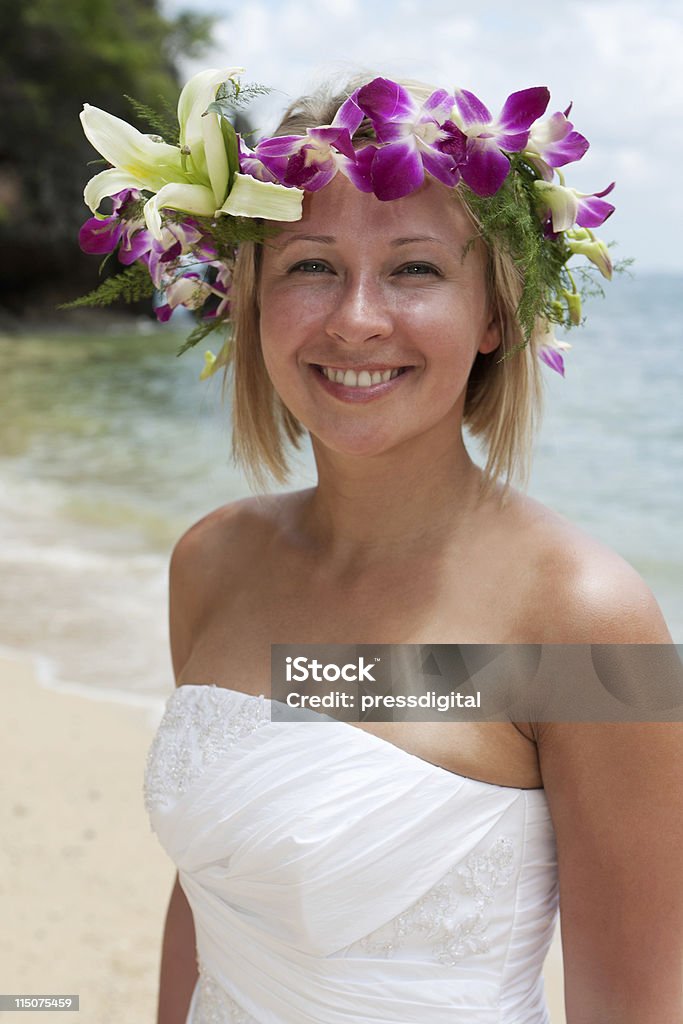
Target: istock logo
300,670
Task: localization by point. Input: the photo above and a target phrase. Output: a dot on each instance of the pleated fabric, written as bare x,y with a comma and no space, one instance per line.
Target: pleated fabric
334,877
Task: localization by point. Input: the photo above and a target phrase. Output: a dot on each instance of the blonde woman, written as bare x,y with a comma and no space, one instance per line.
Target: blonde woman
400,871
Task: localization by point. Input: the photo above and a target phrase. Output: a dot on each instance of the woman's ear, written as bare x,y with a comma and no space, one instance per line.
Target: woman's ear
491,337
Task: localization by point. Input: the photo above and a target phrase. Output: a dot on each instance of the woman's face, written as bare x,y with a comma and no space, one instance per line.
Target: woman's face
361,287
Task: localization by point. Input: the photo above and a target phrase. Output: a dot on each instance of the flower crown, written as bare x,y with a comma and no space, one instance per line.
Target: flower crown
180,209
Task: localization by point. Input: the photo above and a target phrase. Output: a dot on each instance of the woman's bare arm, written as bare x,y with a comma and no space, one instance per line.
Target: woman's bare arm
615,795
615,792
178,973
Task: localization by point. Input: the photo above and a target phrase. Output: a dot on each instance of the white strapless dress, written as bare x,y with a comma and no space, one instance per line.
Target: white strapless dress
334,877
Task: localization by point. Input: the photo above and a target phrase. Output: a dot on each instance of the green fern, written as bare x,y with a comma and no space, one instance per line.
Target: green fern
233,96
164,124
131,285
510,219
201,331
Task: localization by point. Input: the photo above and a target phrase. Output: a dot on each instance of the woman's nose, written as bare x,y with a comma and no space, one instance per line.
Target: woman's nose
360,311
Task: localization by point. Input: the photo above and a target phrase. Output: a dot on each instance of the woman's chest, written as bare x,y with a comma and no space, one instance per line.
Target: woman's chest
233,649
407,606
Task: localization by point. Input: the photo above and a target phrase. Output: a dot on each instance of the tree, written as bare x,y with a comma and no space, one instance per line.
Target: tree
56,55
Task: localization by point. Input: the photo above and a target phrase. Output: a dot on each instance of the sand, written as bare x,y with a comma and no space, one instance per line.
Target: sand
84,883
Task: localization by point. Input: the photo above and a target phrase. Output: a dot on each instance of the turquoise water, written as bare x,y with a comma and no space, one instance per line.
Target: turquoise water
110,447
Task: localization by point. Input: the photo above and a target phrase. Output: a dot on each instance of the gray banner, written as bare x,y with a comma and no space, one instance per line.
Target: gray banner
477,682
26,1001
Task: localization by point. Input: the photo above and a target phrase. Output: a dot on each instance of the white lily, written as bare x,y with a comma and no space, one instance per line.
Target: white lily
201,135
250,197
138,160
194,199
192,179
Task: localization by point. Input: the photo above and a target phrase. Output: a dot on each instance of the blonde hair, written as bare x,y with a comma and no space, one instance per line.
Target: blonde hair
504,396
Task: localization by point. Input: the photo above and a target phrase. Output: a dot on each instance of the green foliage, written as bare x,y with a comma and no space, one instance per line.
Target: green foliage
160,123
234,96
510,219
201,331
131,285
228,232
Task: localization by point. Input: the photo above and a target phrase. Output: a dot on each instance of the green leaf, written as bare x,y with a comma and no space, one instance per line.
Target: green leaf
233,96
231,148
132,285
201,331
161,124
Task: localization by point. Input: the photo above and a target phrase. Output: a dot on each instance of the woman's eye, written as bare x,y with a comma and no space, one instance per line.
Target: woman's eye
419,269
310,266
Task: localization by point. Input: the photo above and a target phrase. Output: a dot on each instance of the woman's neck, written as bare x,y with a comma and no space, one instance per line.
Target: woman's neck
391,507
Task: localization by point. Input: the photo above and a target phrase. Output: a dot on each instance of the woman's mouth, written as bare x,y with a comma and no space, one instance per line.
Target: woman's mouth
360,378
359,385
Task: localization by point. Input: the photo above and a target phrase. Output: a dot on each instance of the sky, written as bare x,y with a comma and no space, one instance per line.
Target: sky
619,61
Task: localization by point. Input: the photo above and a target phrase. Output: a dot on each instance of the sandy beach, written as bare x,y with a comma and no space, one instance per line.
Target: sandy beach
84,883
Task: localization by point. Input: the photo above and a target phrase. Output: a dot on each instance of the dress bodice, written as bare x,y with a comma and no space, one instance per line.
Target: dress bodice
335,877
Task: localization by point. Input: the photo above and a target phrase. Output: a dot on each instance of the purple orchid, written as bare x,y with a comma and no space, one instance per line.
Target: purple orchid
487,167
189,291
551,351
249,163
414,139
177,240
552,358
101,235
311,161
566,207
554,143
220,287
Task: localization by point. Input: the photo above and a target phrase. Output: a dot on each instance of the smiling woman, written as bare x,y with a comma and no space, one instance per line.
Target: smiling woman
399,870
501,402
366,300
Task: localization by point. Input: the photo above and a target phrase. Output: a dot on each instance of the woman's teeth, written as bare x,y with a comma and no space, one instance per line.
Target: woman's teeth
364,379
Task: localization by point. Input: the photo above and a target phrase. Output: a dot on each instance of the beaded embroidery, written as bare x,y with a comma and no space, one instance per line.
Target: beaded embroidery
454,925
215,1006
195,730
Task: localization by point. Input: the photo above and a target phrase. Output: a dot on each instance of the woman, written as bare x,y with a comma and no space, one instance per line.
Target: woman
400,871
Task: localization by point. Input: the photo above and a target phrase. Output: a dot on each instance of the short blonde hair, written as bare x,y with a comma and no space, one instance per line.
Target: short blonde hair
504,397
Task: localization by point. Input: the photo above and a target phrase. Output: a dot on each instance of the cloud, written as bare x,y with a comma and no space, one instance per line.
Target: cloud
618,60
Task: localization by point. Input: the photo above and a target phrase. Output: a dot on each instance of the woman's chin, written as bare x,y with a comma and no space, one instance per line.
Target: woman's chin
359,445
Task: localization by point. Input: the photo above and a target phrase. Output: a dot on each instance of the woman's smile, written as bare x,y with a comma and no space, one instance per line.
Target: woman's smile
359,386
379,305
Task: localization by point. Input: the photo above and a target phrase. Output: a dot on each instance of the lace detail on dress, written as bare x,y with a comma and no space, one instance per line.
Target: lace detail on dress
197,727
451,915
215,1006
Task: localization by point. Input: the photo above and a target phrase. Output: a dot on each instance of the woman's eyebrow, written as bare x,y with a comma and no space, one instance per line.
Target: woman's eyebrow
327,239
420,238
330,240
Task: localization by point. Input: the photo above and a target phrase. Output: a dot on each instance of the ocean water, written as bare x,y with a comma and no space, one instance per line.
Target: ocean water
110,448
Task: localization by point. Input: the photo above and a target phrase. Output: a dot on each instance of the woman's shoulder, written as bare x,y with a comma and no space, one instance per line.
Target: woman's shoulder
225,541
578,588
208,561
230,529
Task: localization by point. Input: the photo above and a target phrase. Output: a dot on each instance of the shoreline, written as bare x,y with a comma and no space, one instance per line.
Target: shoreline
46,673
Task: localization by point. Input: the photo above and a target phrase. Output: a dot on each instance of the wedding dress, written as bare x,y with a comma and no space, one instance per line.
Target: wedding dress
335,877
